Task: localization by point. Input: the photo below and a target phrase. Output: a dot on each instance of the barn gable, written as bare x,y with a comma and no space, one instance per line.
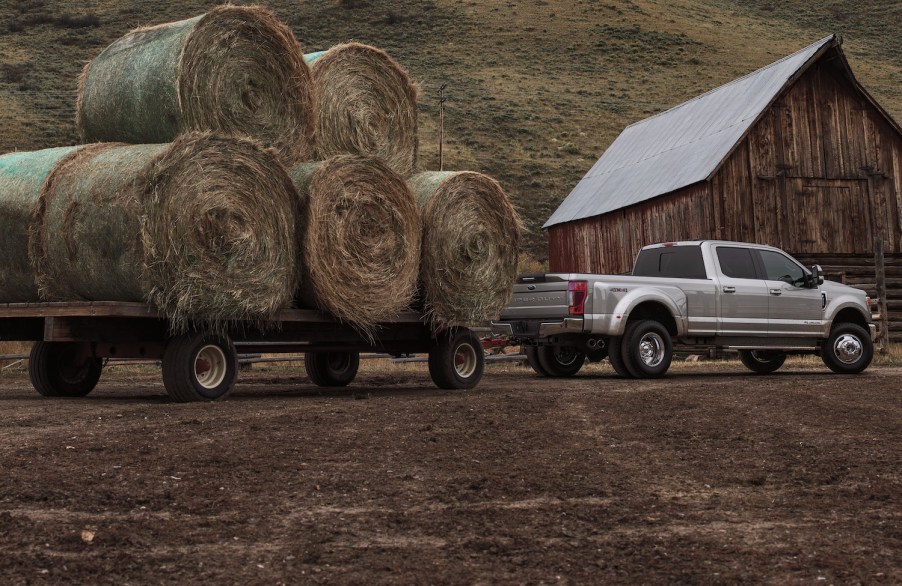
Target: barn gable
685,144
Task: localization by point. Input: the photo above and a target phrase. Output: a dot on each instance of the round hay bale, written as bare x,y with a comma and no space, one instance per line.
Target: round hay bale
360,241
367,106
471,241
21,177
204,228
235,70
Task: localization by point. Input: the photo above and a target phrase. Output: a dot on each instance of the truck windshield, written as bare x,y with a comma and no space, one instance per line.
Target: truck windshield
677,262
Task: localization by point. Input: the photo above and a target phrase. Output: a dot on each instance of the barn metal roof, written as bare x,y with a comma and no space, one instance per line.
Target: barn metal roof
683,145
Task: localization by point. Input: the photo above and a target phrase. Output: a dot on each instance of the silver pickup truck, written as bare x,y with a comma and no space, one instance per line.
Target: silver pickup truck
692,296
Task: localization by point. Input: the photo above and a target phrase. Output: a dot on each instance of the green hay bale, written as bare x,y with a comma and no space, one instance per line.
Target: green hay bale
470,246
367,106
360,240
21,178
236,70
203,228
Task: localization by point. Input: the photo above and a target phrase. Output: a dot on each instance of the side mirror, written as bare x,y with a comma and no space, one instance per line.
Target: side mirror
817,276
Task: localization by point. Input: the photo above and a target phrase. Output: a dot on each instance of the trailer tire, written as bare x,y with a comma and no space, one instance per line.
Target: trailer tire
615,355
762,361
646,348
532,358
457,360
63,369
848,350
561,361
331,369
199,367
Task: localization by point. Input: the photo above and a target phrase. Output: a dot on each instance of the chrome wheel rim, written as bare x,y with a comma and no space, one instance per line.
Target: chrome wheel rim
848,349
210,366
651,349
465,361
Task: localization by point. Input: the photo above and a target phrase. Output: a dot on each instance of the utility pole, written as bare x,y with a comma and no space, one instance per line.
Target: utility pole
441,131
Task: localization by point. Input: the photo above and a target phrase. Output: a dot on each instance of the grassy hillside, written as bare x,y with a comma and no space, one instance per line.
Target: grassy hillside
537,89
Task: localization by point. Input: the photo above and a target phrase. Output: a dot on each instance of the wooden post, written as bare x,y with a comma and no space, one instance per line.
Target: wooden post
883,337
441,129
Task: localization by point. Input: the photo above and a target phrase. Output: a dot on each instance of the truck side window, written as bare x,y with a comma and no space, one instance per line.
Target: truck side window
677,262
736,262
779,267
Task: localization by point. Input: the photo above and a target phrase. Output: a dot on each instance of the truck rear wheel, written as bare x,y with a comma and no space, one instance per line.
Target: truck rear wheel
331,369
848,350
532,358
199,367
647,349
762,361
561,361
63,369
615,355
457,360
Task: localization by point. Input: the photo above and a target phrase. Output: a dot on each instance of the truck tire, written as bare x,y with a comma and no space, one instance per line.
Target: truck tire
199,367
615,355
63,369
332,369
646,349
762,361
561,361
532,358
848,350
457,360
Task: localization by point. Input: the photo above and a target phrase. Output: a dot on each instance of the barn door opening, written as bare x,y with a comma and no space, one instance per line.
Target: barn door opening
832,215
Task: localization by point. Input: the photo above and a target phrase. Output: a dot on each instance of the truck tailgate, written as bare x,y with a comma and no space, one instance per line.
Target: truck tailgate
538,297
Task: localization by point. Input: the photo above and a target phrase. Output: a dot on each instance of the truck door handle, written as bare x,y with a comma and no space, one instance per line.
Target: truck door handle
729,289
776,291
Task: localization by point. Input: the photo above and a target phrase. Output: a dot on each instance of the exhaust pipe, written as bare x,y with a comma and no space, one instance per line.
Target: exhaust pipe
594,343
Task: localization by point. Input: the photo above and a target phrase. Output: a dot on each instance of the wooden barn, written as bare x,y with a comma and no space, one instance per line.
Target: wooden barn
797,155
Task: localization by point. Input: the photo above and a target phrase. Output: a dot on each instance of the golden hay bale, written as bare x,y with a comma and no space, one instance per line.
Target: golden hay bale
235,70
204,228
360,242
471,240
21,177
367,106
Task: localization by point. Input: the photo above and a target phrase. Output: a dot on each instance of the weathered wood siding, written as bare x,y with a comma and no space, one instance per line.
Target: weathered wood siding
609,243
819,173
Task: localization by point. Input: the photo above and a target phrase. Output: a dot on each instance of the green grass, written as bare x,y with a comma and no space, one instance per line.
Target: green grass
536,89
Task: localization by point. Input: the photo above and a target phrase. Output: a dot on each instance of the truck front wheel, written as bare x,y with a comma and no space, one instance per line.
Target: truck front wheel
647,349
848,350
762,361
560,361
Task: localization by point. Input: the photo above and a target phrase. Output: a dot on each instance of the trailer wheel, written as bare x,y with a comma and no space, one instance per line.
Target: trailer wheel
561,361
332,369
199,367
762,361
457,360
63,369
646,348
532,358
848,350
615,355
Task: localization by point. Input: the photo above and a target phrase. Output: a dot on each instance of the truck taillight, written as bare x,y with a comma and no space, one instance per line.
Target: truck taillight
576,297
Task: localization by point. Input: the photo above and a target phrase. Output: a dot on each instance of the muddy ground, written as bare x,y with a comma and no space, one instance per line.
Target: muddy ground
710,475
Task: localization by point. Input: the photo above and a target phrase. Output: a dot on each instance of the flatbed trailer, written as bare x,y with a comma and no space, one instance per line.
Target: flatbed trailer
73,339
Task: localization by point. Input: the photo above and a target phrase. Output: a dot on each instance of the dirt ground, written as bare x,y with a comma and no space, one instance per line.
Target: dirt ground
710,475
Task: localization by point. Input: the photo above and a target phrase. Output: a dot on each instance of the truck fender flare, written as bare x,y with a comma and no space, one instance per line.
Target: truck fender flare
661,296
835,307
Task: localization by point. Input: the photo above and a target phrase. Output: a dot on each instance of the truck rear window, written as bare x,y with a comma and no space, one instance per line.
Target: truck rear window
677,262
